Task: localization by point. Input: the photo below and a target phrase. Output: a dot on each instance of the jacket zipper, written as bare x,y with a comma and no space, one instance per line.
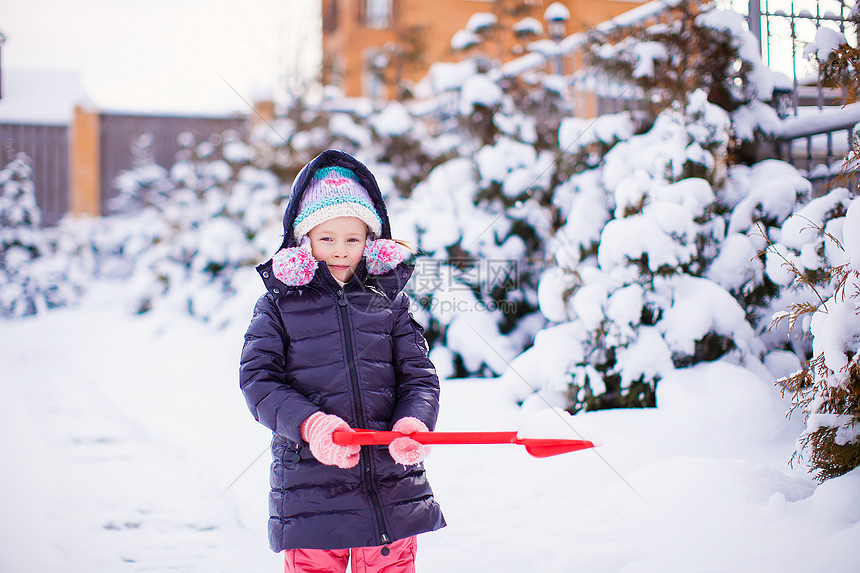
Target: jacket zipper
359,416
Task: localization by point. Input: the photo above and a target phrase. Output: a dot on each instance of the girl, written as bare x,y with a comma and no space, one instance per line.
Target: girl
332,346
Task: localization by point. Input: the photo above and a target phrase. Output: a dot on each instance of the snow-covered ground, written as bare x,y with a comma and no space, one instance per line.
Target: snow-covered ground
127,446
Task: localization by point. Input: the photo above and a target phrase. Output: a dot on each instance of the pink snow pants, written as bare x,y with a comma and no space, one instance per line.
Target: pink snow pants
400,559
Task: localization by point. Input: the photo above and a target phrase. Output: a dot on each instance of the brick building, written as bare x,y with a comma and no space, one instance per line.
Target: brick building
372,46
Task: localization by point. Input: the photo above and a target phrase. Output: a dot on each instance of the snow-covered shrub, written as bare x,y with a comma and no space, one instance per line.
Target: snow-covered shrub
827,389
657,259
18,207
755,201
484,218
141,187
538,180
197,224
480,98
837,60
467,176
403,148
816,255
702,48
38,269
637,237
470,281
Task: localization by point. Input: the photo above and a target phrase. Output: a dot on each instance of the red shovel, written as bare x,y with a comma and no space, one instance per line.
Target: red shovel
537,447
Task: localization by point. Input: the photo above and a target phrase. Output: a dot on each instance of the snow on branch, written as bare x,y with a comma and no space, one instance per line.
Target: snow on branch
637,15
823,121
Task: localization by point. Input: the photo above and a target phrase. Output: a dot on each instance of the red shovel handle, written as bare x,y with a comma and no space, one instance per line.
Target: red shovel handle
538,447
372,438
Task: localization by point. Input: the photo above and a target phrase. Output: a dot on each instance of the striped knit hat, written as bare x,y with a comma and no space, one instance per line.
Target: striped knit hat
334,192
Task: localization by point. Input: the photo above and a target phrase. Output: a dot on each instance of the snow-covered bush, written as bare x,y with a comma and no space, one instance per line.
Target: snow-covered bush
194,226
483,219
701,48
531,184
403,149
658,262
38,269
472,279
18,207
629,284
303,130
827,389
468,175
817,253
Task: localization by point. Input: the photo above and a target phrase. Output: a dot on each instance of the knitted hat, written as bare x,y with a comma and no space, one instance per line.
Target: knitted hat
334,192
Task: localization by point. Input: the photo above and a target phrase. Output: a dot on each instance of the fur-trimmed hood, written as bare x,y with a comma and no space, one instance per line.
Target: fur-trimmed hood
332,158
293,265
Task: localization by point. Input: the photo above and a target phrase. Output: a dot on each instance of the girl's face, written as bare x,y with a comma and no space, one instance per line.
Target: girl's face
340,243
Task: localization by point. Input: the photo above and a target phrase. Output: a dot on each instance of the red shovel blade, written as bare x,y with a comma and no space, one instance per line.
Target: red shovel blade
544,448
537,447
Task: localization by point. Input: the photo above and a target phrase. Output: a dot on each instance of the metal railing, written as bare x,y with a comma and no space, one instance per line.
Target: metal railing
817,128
818,125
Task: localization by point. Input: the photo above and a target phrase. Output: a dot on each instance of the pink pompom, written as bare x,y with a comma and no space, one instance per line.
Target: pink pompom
294,266
382,255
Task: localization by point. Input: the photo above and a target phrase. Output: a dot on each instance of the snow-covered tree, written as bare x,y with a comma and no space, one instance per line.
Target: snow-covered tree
818,252
18,207
195,225
37,268
638,288
700,48
629,292
467,173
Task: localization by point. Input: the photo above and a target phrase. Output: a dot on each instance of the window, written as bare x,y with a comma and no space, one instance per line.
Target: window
329,16
377,14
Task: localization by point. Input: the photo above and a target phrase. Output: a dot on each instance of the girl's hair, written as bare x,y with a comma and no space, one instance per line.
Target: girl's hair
406,245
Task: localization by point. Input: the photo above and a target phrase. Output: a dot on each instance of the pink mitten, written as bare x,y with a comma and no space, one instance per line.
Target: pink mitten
317,431
405,450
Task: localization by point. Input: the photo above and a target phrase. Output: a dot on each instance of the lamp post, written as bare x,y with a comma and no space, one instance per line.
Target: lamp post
376,63
556,17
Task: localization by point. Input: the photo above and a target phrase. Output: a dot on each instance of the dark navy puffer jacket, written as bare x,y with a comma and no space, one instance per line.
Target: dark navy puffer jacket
353,351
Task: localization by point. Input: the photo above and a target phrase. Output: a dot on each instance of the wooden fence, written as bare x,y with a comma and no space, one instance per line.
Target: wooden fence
117,149
127,140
